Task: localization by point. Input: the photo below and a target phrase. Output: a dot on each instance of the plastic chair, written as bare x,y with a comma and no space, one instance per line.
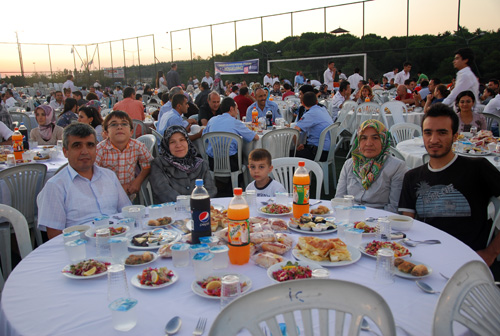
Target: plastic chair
491,119
150,141
396,109
221,142
404,131
2,283
21,117
471,299
397,154
279,142
105,112
332,132
22,233
314,300
139,128
60,168
283,169
496,218
146,193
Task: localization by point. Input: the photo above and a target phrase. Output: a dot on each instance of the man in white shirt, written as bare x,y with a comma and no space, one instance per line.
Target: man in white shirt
209,80
466,80
58,103
342,75
493,106
267,80
340,98
68,84
391,74
195,82
355,78
9,100
329,76
400,78
276,78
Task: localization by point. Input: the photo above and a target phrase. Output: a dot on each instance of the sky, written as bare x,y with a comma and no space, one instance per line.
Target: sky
92,22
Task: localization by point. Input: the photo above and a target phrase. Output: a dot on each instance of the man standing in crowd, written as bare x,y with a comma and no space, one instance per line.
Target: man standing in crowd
173,78
329,76
267,80
202,97
355,78
207,79
68,84
466,80
340,98
400,78
391,74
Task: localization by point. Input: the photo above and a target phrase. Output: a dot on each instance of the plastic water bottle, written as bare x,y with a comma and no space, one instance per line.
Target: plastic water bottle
24,131
301,184
200,212
238,228
269,119
17,143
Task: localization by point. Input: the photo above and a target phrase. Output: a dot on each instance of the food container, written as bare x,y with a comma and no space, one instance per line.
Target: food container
210,240
203,265
101,221
80,228
400,222
180,254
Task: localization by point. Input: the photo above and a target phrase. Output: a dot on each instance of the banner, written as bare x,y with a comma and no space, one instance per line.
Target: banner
114,72
240,67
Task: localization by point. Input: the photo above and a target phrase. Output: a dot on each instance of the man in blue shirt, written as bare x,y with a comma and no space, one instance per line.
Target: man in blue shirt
263,105
313,122
174,117
168,105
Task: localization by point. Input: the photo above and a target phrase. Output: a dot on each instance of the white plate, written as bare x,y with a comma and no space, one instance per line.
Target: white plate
299,230
219,207
90,232
152,227
200,291
484,153
310,263
176,235
80,277
328,213
155,256
355,256
135,282
362,250
408,275
273,215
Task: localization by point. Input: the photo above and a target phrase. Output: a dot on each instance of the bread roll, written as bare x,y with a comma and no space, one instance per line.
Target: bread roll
274,247
267,259
406,266
419,270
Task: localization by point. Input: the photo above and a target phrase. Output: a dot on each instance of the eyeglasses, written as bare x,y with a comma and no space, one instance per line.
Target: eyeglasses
115,125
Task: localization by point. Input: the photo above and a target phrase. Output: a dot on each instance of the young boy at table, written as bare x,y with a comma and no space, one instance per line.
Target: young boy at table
122,154
260,165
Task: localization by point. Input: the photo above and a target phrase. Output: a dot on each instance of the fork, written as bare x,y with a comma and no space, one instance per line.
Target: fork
200,327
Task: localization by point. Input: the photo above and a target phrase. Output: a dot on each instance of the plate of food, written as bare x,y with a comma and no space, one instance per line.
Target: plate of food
312,224
153,239
320,210
115,230
160,222
289,270
411,269
210,287
275,210
216,206
371,249
476,151
331,252
140,258
367,229
154,278
86,269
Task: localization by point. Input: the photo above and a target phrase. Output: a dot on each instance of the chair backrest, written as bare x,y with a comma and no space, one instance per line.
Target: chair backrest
325,304
20,226
471,299
157,135
397,154
279,142
21,117
490,119
145,98
146,193
282,105
396,109
61,168
365,111
139,128
105,112
404,131
150,141
496,218
331,132
24,182
220,143
283,169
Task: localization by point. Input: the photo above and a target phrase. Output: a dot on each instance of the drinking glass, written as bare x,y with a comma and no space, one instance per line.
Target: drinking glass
168,209
182,205
384,270
117,282
342,213
123,313
281,198
341,229
180,254
101,221
353,237
102,245
230,289
11,160
358,213
33,144
155,211
76,250
70,236
383,232
119,249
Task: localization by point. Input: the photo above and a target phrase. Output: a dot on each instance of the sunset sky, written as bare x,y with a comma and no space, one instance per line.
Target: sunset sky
62,22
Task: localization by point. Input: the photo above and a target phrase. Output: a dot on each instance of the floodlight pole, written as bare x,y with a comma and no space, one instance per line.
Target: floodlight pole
20,55
111,56
139,59
50,60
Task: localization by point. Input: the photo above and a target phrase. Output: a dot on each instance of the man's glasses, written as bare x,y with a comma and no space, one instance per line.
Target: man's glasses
116,125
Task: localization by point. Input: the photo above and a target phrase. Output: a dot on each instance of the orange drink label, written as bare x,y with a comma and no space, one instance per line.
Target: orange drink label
238,232
301,194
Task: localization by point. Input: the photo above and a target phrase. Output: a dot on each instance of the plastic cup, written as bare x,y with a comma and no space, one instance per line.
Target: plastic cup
281,198
102,245
209,240
60,144
320,273
73,235
119,249
135,213
33,144
203,264
383,232
341,229
11,160
155,211
182,204
221,256
384,271
342,213
76,249
358,213
193,249
123,313
168,209
353,237
180,254
101,221
230,289
349,200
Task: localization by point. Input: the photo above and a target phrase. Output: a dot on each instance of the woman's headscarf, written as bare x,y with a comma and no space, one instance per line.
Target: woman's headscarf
50,122
186,164
365,168
95,104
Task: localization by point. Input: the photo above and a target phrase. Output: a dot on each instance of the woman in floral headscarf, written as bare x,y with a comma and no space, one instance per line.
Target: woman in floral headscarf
372,175
177,167
47,132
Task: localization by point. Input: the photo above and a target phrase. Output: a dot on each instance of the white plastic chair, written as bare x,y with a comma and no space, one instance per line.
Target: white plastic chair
105,112
471,299
398,111
143,128
146,193
404,131
491,119
332,131
397,154
22,233
150,141
279,142
314,300
21,117
283,169
496,218
221,142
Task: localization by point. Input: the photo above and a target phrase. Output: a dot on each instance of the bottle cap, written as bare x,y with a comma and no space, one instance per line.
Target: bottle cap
238,191
16,129
199,182
302,164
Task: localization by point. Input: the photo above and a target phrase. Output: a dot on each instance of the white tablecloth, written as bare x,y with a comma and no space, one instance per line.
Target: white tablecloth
39,300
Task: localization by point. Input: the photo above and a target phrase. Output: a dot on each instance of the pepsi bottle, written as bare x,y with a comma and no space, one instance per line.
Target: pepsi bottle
200,212
269,120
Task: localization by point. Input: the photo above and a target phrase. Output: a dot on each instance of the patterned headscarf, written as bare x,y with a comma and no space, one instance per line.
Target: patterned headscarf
365,168
95,104
50,122
186,164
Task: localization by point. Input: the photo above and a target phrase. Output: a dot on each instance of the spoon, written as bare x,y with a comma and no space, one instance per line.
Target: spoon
268,201
444,276
413,243
173,326
425,287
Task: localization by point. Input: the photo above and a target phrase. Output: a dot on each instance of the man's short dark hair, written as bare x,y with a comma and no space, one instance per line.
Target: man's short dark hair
234,88
442,110
424,83
495,81
330,62
436,80
69,77
343,86
287,86
407,81
491,91
204,85
173,65
128,92
306,88
466,54
356,70
78,93
243,91
164,97
226,104
178,98
309,99
406,64
91,96
119,115
79,130
260,154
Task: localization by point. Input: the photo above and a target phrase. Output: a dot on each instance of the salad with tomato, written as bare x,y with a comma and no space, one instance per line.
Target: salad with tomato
399,250
292,271
212,285
155,276
276,209
88,267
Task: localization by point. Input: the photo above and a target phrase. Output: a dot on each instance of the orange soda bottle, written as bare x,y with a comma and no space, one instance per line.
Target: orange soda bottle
255,117
17,144
367,99
301,183
238,229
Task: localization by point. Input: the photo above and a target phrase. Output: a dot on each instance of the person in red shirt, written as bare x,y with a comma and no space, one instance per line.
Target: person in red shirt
288,91
244,100
404,96
134,108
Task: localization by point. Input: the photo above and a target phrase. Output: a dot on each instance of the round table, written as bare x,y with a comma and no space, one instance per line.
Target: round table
39,300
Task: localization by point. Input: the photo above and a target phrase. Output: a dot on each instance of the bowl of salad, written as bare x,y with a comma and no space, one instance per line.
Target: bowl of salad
291,270
274,209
